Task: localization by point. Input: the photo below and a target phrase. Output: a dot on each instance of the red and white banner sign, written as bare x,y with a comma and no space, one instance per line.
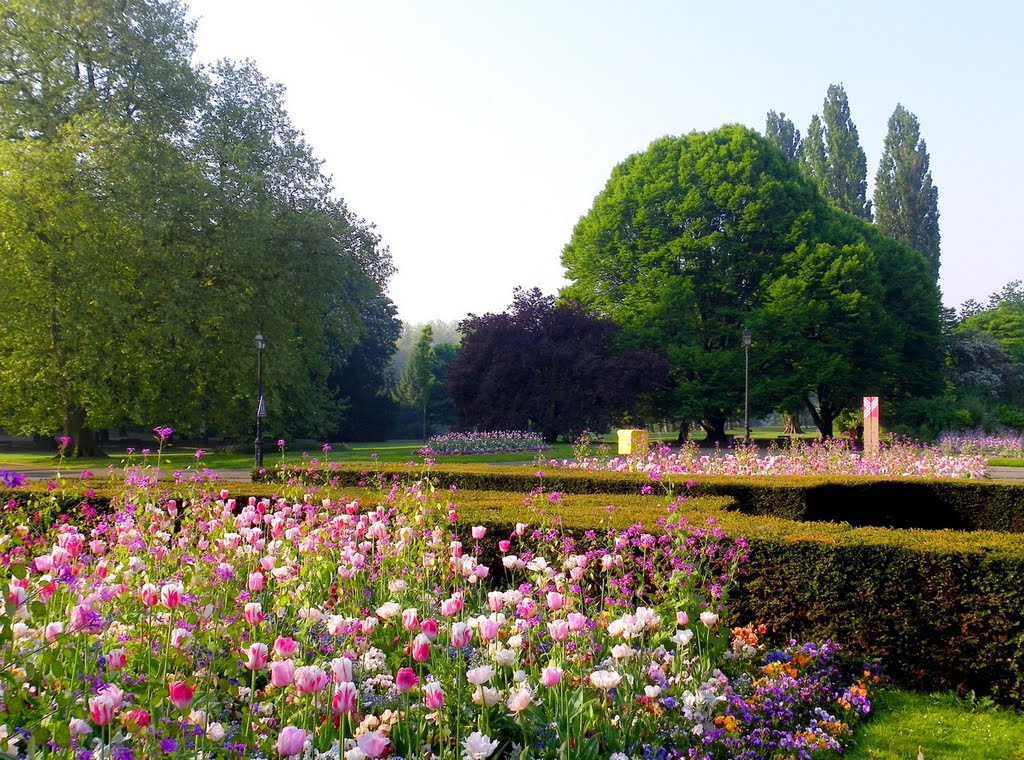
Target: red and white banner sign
871,424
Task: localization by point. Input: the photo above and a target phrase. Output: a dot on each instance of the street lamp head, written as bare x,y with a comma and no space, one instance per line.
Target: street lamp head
747,336
261,342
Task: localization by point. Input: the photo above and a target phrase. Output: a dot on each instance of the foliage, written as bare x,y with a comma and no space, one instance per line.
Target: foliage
783,133
194,211
906,200
833,158
362,376
418,376
679,247
547,367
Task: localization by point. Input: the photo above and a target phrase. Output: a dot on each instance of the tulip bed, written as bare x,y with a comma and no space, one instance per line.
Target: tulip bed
896,457
306,626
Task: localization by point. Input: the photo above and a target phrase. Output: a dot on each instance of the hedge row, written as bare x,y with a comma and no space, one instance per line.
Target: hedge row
942,609
861,501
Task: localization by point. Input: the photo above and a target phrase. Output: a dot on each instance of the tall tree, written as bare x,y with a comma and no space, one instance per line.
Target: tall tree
833,157
678,248
546,366
418,378
906,200
829,339
783,133
153,221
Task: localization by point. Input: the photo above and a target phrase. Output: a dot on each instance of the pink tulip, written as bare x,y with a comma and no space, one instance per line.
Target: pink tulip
344,701
551,676
708,618
682,618
170,595
290,741
59,556
114,692
479,531
52,631
342,669
254,613
256,656
406,679
101,709
504,545
429,628
43,563
495,600
433,696
554,600
282,672
285,646
461,635
310,679
421,648
79,727
410,619
137,717
150,595
373,743
181,694
256,580
488,629
558,629
115,659
577,621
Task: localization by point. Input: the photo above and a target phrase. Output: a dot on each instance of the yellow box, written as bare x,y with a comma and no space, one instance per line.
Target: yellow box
632,441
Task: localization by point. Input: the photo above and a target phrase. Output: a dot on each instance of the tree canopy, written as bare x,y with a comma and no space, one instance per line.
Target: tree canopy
153,218
546,366
705,234
906,200
833,157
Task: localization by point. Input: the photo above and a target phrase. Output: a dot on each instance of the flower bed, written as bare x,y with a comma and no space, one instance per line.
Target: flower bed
485,442
326,629
895,458
1007,444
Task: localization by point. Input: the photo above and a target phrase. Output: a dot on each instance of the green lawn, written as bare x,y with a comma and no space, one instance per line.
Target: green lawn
1005,462
910,725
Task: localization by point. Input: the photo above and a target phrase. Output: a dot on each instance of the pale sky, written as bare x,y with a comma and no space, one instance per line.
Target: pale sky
475,133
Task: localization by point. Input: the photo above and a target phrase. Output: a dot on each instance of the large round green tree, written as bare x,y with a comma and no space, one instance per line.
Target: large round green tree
678,248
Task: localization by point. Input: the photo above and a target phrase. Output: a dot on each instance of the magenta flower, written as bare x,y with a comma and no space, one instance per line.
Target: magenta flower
373,743
180,694
344,700
406,679
433,696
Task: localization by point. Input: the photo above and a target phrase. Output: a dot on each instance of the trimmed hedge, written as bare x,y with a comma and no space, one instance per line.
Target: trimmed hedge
929,504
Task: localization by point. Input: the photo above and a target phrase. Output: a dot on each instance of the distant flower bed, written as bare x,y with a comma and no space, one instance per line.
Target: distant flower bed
895,458
319,629
488,442
1006,444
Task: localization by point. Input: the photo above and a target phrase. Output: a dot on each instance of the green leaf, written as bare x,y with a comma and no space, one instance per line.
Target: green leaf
19,571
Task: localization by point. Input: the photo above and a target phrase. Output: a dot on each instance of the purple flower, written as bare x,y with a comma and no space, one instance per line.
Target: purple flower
12,479
163,433
326,447
199,453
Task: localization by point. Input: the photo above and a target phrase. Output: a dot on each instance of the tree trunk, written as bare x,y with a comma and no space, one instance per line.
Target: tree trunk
83,441
684,433
823,418
715,431
791,424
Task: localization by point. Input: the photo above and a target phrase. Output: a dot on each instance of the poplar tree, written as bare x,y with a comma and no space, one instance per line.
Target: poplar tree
906,201
833,158
783,133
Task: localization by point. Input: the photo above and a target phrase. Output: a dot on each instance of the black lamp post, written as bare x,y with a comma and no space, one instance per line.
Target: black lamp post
747,335
261,408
